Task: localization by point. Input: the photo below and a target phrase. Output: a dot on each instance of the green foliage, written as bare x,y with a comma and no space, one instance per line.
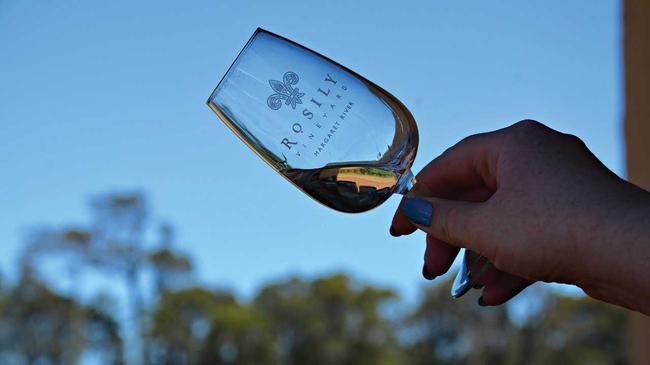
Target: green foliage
171,268
326,321
329,321
570,330
580,331
332,320
115,245
457,331
38,326
198,326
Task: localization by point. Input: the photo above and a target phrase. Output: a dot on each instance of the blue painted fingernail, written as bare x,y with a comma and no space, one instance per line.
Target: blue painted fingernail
418,211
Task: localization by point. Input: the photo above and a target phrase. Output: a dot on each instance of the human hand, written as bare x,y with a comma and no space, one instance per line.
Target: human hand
539,206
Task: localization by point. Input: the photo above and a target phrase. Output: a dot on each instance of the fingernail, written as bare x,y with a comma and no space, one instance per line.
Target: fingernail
392,232
481,302
418,211
426,274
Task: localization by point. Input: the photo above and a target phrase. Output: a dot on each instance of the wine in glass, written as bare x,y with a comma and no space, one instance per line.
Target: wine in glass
341,139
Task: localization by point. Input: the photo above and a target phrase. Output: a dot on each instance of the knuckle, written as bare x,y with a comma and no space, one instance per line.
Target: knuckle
463,142
528,128
497,262
528,124
446,153
574,140
452,219
440,224
448,223
527,131
469,140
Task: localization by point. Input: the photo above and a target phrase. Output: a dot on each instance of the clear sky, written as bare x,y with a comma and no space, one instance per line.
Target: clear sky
97,96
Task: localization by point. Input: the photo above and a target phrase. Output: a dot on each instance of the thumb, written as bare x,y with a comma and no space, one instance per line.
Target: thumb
459,223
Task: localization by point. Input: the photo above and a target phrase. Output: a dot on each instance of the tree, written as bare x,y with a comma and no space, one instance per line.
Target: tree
329,321
445,331
239,335
569,330
578,331
325,321
115,244
38,327
197,326
71,244
171,269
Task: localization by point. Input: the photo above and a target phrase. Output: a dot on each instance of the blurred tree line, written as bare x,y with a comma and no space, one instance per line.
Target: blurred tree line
332,320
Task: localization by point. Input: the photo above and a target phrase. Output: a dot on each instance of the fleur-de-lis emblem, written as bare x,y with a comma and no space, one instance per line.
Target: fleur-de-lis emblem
284,91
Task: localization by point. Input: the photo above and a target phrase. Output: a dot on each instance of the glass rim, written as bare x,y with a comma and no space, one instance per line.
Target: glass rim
260,30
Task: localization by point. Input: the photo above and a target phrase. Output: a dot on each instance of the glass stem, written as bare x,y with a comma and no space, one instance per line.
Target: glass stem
405,183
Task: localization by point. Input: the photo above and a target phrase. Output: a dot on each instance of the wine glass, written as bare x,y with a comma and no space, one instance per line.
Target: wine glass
338,137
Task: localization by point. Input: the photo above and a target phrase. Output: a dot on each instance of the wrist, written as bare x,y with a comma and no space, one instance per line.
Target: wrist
616,262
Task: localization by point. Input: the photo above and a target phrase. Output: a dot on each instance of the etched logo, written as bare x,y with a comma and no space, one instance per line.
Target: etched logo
284,91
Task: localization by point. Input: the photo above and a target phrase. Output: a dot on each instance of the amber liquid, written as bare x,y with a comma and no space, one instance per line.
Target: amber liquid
350,188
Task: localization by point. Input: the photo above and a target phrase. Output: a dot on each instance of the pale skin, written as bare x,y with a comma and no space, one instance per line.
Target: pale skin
541,207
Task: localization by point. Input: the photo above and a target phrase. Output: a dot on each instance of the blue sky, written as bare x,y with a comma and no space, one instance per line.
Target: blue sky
103,96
